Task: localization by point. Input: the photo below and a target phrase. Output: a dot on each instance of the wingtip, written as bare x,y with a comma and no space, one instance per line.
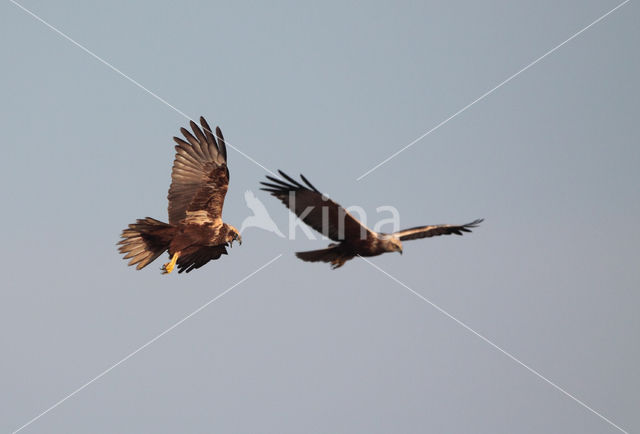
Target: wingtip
309,184
293,182
474,223
205,125
271,191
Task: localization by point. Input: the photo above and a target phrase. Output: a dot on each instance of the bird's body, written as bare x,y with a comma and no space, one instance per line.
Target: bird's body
339,253
195,233
332,220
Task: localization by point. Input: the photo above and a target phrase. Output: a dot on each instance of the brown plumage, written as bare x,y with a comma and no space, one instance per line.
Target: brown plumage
333,221
195,233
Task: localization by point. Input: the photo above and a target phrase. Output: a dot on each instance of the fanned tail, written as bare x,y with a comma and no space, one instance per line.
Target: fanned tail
145,240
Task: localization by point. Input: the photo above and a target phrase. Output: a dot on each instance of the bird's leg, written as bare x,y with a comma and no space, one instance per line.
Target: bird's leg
168,267
337,263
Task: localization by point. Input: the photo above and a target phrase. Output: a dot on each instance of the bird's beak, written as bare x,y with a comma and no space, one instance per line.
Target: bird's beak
400,251
239,239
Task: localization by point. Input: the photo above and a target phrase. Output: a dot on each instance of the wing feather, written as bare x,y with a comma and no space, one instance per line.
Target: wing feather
435,230
208,132
222,145
199,257
199,178
185,158
277,181
187,150
306,181
316,210
202,141
191,139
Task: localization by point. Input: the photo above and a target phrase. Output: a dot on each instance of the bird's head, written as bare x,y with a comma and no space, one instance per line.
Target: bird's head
393,244
233,235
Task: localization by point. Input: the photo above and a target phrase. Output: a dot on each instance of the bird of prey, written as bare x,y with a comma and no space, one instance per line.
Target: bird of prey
333,221
195,233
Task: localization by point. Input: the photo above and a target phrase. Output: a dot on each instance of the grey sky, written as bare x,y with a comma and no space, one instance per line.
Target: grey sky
550,160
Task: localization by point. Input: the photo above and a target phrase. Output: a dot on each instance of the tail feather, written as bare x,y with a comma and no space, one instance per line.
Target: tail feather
333,254
322,255
143,241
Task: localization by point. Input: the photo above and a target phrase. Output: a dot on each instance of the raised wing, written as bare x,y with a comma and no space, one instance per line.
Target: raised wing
434,230
200,178
199,257
315,209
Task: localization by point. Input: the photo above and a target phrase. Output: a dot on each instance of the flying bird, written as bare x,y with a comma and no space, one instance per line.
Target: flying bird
333,221
195,233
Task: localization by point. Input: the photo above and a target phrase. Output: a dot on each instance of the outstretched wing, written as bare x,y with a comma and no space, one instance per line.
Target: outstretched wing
199,257
200,178
434,230
315,209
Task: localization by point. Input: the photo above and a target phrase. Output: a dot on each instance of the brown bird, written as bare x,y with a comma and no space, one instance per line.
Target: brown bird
195,233
333,221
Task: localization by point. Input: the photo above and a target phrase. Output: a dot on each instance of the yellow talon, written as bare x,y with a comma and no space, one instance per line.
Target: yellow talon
168,268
